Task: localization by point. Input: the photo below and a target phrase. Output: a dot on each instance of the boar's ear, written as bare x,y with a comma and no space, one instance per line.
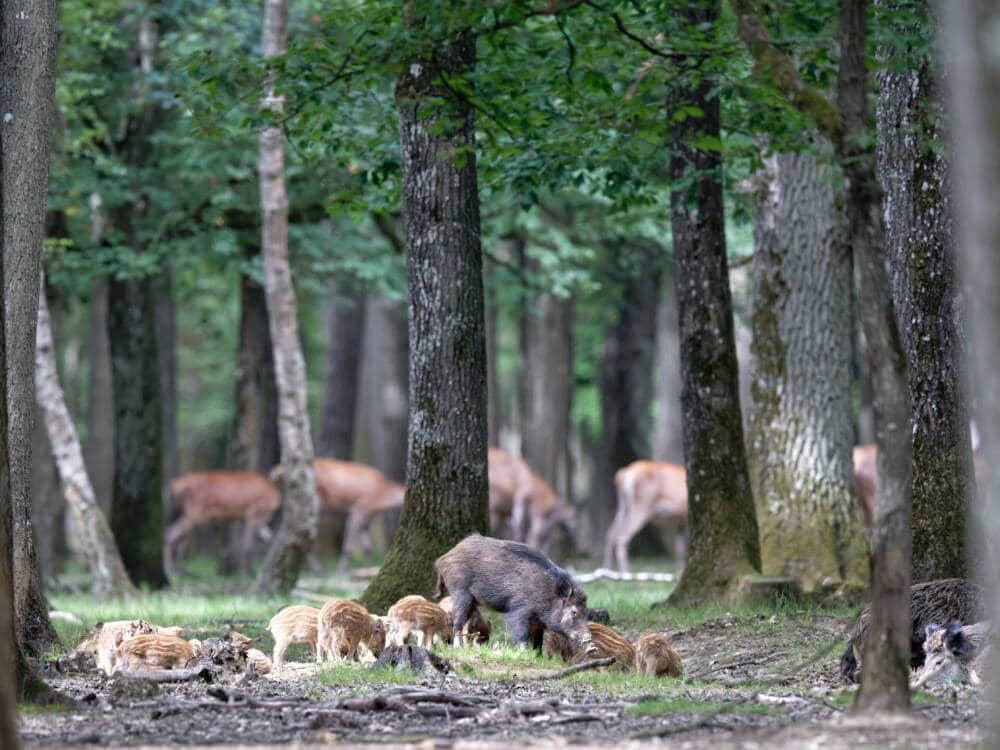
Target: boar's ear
564,589
930,629
955,638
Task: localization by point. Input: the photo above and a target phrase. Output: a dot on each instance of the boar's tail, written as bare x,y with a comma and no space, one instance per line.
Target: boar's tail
849,663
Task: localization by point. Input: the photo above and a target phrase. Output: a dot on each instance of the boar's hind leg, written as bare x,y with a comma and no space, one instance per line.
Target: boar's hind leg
519,626
462,607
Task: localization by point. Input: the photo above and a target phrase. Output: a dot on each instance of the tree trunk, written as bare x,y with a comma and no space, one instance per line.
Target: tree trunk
492,371
136,503
28,36
546,388
47,507
973,74
722,527
388,418
446,483
166,347
345,324
28,73
885,682
625,380
99,451
300,503
108,576
800,452
918,220
668,432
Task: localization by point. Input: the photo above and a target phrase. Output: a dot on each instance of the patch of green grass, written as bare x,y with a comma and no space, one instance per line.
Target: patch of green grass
685,705
498,654
361,675
42,708
623,683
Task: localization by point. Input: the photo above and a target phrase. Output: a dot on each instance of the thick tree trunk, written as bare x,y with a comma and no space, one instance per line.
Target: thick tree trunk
625,380
973,73
668,432
99,451
446,483
546,388
918,218
885,682
28,36
107,572
136,504
300,503
28,71
345,324
389,414
800,420
722,527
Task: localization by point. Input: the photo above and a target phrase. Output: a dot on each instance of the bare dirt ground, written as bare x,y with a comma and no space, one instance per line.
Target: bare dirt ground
749,683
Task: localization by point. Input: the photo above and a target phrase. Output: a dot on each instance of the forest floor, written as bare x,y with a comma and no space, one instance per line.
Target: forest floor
753,677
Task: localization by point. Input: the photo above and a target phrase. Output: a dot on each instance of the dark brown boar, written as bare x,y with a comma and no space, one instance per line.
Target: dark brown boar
532,592
476,631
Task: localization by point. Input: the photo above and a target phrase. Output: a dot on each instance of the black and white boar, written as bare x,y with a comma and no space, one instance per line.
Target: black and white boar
532,592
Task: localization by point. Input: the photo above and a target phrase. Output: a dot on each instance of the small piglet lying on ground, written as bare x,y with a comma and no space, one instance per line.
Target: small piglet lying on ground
605,642
531,591
415,614
346,630
477,629
153,651
295,624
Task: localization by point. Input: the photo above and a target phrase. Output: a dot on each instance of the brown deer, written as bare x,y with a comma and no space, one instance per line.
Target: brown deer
205,496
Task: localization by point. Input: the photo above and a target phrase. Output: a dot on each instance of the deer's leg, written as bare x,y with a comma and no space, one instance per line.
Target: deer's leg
174,534
628,529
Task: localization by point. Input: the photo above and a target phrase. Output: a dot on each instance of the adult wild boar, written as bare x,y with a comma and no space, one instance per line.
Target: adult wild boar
532,592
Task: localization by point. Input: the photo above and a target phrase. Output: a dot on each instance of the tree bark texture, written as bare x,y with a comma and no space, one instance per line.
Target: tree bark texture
625,377
11,661
668,432
344,325
968,39
919,228
107,571
722,527
546,388
255,445
388,415
446,482
300,503
26,100
492,370
885,681
800,420
99,450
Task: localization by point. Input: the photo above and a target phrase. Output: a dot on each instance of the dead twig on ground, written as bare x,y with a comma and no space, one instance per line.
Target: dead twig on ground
582,666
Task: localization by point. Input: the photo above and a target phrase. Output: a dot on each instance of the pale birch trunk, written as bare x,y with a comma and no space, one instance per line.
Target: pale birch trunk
107,572
300,503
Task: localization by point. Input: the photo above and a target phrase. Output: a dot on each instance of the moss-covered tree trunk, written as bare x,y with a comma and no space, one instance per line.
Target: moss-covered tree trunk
27,78
625,377
801,435
969,43
915,177
446,485
723,543
299,501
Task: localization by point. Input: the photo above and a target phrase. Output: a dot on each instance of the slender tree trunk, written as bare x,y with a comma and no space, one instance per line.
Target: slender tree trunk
300,503
492,371
723,542
917,187
668,432
546,388
446,483
28,37
166,339
389,415
29,75
47,507
885,682
973,73
107,571
345,324
99,450
800,452
625,380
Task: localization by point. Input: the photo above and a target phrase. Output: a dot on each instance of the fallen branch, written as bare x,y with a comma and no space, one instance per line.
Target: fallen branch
581,667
